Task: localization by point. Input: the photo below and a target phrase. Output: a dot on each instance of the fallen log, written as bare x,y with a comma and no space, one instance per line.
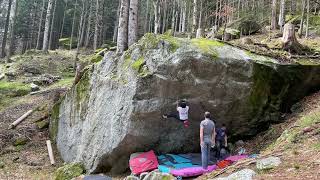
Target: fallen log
50,152
20,119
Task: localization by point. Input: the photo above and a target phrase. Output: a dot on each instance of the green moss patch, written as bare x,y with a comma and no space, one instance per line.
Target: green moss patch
13,89
42,124
207,46
69,171
20,141
138,63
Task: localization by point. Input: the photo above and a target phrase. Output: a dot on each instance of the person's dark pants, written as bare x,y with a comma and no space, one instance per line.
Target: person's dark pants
173,115
205,154
220,144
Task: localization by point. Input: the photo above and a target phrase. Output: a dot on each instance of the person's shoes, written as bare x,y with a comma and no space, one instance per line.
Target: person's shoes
164,116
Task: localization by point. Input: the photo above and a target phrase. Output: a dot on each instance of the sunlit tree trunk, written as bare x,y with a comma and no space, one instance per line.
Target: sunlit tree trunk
274,15
46,28
122,42
40,24
302,18
156,5
133,22
195,14
96,25
282,14
52,24
13,27
308,15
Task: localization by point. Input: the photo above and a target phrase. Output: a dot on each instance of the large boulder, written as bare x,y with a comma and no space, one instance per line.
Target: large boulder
115,109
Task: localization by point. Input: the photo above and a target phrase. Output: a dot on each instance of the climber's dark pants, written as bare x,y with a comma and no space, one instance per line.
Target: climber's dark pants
173,115
220,144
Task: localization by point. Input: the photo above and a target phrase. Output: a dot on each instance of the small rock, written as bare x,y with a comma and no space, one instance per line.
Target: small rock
15,158
1,165
158,175
34,87
93,177
69,171
20,141
2,76
245,174
132,178
42,124
268,163
307,130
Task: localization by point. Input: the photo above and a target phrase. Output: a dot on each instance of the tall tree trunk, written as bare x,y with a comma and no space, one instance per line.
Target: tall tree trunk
216,16
83,25
96,27
146,18
156,5
274,15
173,20
87,40
13,27
52,24
46,28
293,7
40,24
122,42
164,16
133,22
195,14
282,14
302,18
80,30
200,30
308,15
184,15
4,40
116,23
239,2
73,24
63,20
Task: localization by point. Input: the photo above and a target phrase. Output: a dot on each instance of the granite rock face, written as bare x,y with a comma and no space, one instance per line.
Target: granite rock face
115,109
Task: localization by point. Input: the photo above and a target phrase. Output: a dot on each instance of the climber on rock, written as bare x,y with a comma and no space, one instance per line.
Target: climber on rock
207,139
182,113
221,140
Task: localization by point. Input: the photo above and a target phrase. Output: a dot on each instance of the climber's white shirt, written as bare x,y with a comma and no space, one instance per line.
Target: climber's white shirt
183,113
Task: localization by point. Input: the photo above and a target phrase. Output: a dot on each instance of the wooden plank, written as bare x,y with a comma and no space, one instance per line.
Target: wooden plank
50,152
20,119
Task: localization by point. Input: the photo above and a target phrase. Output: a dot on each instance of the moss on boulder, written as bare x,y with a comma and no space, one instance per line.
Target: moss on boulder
69,171
42,124
20,141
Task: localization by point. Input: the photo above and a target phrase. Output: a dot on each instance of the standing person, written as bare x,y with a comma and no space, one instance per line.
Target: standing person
207,139
182,113
221,140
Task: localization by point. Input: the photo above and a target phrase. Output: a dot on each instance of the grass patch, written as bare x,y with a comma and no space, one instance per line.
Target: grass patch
65,82
13,89
316,146
310,119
